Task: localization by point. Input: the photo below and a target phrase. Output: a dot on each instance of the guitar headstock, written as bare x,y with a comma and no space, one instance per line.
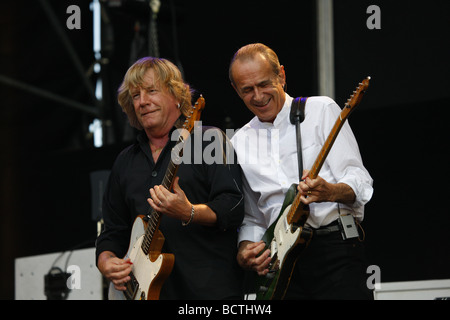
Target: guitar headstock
195,113
357,95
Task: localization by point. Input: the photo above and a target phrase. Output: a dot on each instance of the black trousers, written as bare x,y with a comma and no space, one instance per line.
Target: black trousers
331,268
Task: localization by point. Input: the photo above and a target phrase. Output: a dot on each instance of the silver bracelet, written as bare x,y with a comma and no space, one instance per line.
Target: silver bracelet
190,219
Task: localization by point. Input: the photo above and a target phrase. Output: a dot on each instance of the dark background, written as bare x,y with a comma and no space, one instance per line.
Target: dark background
47,152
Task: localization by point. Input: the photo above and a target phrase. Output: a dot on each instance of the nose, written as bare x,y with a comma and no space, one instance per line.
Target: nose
143,98
258,95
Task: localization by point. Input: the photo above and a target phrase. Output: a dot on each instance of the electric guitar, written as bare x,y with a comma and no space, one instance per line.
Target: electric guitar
150,267
286,237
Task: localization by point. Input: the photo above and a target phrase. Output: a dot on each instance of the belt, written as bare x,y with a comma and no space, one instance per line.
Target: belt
326,230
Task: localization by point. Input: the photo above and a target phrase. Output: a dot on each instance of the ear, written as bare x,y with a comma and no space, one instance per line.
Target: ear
282,75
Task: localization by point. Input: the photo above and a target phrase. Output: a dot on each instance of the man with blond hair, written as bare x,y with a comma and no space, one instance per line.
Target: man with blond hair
200,215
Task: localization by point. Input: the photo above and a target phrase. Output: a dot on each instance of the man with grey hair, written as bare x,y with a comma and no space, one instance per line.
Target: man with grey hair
330,267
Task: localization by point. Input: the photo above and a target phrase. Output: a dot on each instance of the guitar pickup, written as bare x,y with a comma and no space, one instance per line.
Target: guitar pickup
273,248
287,226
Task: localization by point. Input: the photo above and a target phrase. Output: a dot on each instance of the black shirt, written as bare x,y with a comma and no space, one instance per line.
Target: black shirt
205,257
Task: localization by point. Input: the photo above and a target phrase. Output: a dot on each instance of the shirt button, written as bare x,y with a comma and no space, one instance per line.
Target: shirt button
154,173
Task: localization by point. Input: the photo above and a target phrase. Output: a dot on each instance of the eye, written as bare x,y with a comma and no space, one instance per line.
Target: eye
265,84
247,90
151,90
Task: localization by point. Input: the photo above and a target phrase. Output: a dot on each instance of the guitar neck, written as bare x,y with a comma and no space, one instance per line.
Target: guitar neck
155,216
296,213
314,172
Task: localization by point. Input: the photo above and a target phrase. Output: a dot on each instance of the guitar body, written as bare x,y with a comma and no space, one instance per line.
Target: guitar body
285,242
149,271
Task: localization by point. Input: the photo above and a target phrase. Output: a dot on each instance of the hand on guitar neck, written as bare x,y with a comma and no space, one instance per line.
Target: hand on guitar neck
319,190
176,205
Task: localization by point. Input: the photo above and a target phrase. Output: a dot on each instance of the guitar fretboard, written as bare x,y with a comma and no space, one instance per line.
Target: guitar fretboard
154,216
296,213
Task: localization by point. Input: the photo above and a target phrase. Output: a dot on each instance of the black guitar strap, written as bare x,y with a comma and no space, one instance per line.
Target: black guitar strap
296,117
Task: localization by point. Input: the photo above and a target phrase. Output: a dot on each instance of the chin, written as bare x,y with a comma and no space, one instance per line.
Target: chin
265,117
148,123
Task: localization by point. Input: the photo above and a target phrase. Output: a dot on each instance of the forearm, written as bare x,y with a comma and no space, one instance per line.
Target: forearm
202,215
342,193
319,190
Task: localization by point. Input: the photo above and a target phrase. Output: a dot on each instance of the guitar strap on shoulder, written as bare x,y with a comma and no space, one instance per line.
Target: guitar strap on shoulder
296,117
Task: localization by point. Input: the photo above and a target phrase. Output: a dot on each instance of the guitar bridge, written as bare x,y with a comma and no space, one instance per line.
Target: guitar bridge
132,287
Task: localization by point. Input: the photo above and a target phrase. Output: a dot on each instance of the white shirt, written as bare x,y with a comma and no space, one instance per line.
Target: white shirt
267,153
